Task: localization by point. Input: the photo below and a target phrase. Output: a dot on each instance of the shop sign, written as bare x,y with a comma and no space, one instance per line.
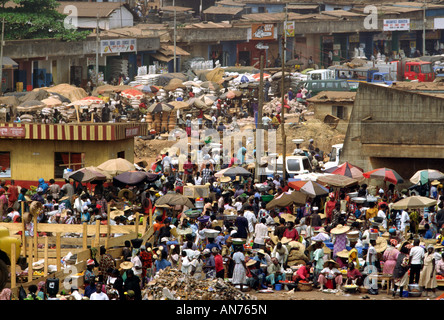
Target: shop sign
328,39
118,45
433,35
131,132
289,28
396,24
263,31
12,132
438,23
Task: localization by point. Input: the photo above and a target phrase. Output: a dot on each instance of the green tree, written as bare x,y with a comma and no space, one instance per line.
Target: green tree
36,19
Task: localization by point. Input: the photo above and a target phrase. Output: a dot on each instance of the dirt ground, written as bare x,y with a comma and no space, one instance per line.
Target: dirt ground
317,295
324,137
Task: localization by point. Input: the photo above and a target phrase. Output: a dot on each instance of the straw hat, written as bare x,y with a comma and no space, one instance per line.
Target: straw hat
126,265
343,254
381,244
353,235
38,266
336,265
115,213
386,235
434,182
339,229
285,240
251,262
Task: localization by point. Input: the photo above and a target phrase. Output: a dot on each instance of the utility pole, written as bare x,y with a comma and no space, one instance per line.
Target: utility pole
284,137
174,5
259,131
424,30
97,51
1,57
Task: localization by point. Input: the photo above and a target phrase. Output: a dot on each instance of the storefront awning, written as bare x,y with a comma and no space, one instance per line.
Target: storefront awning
8,63
161,57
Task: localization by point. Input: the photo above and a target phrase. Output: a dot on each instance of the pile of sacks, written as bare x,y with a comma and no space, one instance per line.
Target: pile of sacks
171,284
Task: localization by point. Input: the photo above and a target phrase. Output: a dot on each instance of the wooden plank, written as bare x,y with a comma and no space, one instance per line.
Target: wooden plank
70,228
85,235
58,251
13,266
35,236
119,241
45,248
30,269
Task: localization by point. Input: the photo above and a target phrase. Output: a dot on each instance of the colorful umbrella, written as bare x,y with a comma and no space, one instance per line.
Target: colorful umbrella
385,174
92,99
296,185
313,189
336,180
295,197
348,170
131,178
257,76
426,175
174,199
132,94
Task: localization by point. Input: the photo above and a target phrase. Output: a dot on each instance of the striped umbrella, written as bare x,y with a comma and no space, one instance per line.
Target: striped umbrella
388,175
296,185
132,94
348,170
426,175
313,189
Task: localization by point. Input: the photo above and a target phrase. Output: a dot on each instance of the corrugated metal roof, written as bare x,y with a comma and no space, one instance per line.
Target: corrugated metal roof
223,10
302,6
208,25
331,96
230,3
342,13
270,17
178,9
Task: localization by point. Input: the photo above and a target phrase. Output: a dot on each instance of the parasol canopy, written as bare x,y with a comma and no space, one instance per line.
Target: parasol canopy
85,175
287,199
385,174
174,199
232,172
160,107
414,202
179,104
132,94
314,189
116,166
335,180
51,102
348,170
426,175
132,178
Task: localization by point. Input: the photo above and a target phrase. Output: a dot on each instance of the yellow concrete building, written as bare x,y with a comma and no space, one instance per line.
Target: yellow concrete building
32,151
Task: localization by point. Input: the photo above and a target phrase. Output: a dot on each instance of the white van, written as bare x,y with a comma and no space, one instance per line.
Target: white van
335,155
321,74
296,165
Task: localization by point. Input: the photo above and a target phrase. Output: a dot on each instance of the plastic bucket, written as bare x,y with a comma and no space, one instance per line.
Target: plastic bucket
278,287
200,203
405,294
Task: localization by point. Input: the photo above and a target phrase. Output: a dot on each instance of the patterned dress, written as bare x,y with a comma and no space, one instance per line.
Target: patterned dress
340,243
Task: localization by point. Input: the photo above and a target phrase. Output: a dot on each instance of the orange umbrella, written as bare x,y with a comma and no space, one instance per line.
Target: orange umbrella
296,185
132,94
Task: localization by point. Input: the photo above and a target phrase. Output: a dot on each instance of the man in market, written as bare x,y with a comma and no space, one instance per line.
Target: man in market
275,272
280,252
106,262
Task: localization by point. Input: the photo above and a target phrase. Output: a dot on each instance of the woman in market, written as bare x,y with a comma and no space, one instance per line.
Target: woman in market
427,279
400,272
240,267
291,232
390,257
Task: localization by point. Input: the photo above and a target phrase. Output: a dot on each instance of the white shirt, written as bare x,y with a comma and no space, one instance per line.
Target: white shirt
136,263
197,181
381,214
260,232
405,220
99,296
417,254
186,265
331,273
251,220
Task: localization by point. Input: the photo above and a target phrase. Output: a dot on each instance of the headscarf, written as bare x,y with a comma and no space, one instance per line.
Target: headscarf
394,242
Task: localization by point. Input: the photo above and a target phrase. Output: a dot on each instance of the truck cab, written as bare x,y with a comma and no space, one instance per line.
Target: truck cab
321,74
335,155
295,165
381,77
419,70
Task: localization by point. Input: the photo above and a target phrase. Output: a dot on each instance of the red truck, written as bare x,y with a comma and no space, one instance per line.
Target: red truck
408,70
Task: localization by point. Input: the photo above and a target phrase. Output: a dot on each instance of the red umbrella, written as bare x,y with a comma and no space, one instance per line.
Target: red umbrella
92,98
348,170
385,174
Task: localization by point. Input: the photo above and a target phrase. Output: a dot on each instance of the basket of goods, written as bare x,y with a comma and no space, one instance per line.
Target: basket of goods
363,289
305,285
288,284
238,241
211,233
351,288
193,213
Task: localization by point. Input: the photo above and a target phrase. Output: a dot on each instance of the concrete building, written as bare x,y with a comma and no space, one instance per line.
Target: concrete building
399,127
338,104
32,151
